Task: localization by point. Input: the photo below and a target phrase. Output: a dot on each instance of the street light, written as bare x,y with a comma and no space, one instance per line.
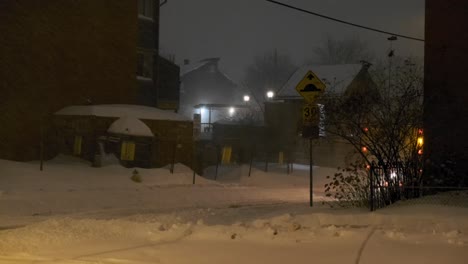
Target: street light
270,94
232,111
246,98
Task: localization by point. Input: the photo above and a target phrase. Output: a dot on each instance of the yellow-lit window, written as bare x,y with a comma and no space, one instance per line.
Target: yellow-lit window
226,158
77,145
127,151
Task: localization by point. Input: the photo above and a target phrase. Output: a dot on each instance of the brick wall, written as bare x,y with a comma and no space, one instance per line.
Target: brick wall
446,85
61,53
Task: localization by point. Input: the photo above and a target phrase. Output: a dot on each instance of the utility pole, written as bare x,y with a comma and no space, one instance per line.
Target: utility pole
311,174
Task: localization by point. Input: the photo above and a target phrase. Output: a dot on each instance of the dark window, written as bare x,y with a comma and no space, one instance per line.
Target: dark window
145,8
145,64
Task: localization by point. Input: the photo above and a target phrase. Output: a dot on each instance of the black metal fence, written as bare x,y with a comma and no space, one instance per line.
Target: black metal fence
402,183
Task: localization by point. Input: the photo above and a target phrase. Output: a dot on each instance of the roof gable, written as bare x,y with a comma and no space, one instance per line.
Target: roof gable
336,78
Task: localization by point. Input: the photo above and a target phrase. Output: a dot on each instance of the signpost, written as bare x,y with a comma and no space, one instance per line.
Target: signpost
310,87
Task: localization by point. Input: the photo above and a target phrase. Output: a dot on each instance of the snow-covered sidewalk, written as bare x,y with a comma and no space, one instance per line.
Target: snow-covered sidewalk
250,234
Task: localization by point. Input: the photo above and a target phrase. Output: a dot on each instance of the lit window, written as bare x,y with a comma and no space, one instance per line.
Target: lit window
145,64
145,8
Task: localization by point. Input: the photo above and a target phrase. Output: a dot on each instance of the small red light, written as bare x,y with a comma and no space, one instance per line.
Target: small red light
420,152
366,129
420,131
364,149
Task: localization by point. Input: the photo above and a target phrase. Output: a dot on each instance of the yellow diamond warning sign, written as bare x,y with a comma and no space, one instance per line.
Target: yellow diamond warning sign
310,87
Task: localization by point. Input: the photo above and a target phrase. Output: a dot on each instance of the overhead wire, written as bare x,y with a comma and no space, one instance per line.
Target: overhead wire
343,21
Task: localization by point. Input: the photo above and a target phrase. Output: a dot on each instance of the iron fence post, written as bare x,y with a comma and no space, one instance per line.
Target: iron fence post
372,198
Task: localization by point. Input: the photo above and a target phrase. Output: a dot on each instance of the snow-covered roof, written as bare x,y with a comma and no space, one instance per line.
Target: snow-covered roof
336,78
121,110
187,68
184,69
130,126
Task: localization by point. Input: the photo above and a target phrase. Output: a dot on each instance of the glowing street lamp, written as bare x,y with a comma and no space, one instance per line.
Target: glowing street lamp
270,94
232,111
246,98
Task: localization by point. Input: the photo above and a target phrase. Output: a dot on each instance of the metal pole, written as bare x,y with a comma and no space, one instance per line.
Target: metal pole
251,161
371,173
173,158
209,119
217,163
311,174
41,154
193,182
193,163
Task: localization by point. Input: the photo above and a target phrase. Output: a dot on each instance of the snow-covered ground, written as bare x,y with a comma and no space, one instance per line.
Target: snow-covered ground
73,213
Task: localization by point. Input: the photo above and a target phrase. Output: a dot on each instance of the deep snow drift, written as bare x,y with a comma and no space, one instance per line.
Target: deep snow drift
73,213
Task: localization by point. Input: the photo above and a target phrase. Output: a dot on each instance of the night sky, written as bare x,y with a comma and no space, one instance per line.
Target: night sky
237,30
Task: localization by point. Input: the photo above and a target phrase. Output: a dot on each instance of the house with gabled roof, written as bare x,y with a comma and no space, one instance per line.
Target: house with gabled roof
203,82
284,113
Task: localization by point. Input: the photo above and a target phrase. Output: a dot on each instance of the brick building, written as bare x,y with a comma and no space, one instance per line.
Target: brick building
157,77
445,88
63,53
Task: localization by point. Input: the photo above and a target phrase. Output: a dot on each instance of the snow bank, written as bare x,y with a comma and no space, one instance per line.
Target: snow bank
66,237
98,215
130,126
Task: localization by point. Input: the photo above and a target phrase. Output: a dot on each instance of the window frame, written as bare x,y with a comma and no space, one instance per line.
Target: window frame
146,9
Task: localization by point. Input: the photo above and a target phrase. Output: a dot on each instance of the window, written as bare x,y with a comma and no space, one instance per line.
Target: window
145,8
145,64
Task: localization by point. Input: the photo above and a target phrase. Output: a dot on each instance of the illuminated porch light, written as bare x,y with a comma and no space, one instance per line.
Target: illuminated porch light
420,141
246,98
232,111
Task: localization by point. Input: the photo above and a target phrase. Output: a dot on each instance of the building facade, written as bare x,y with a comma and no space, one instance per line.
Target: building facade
75,53
58,54
204,83
284,114
157,77
445,85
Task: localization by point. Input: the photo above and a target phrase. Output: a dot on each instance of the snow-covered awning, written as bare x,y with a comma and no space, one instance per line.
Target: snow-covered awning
121,110
131,127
